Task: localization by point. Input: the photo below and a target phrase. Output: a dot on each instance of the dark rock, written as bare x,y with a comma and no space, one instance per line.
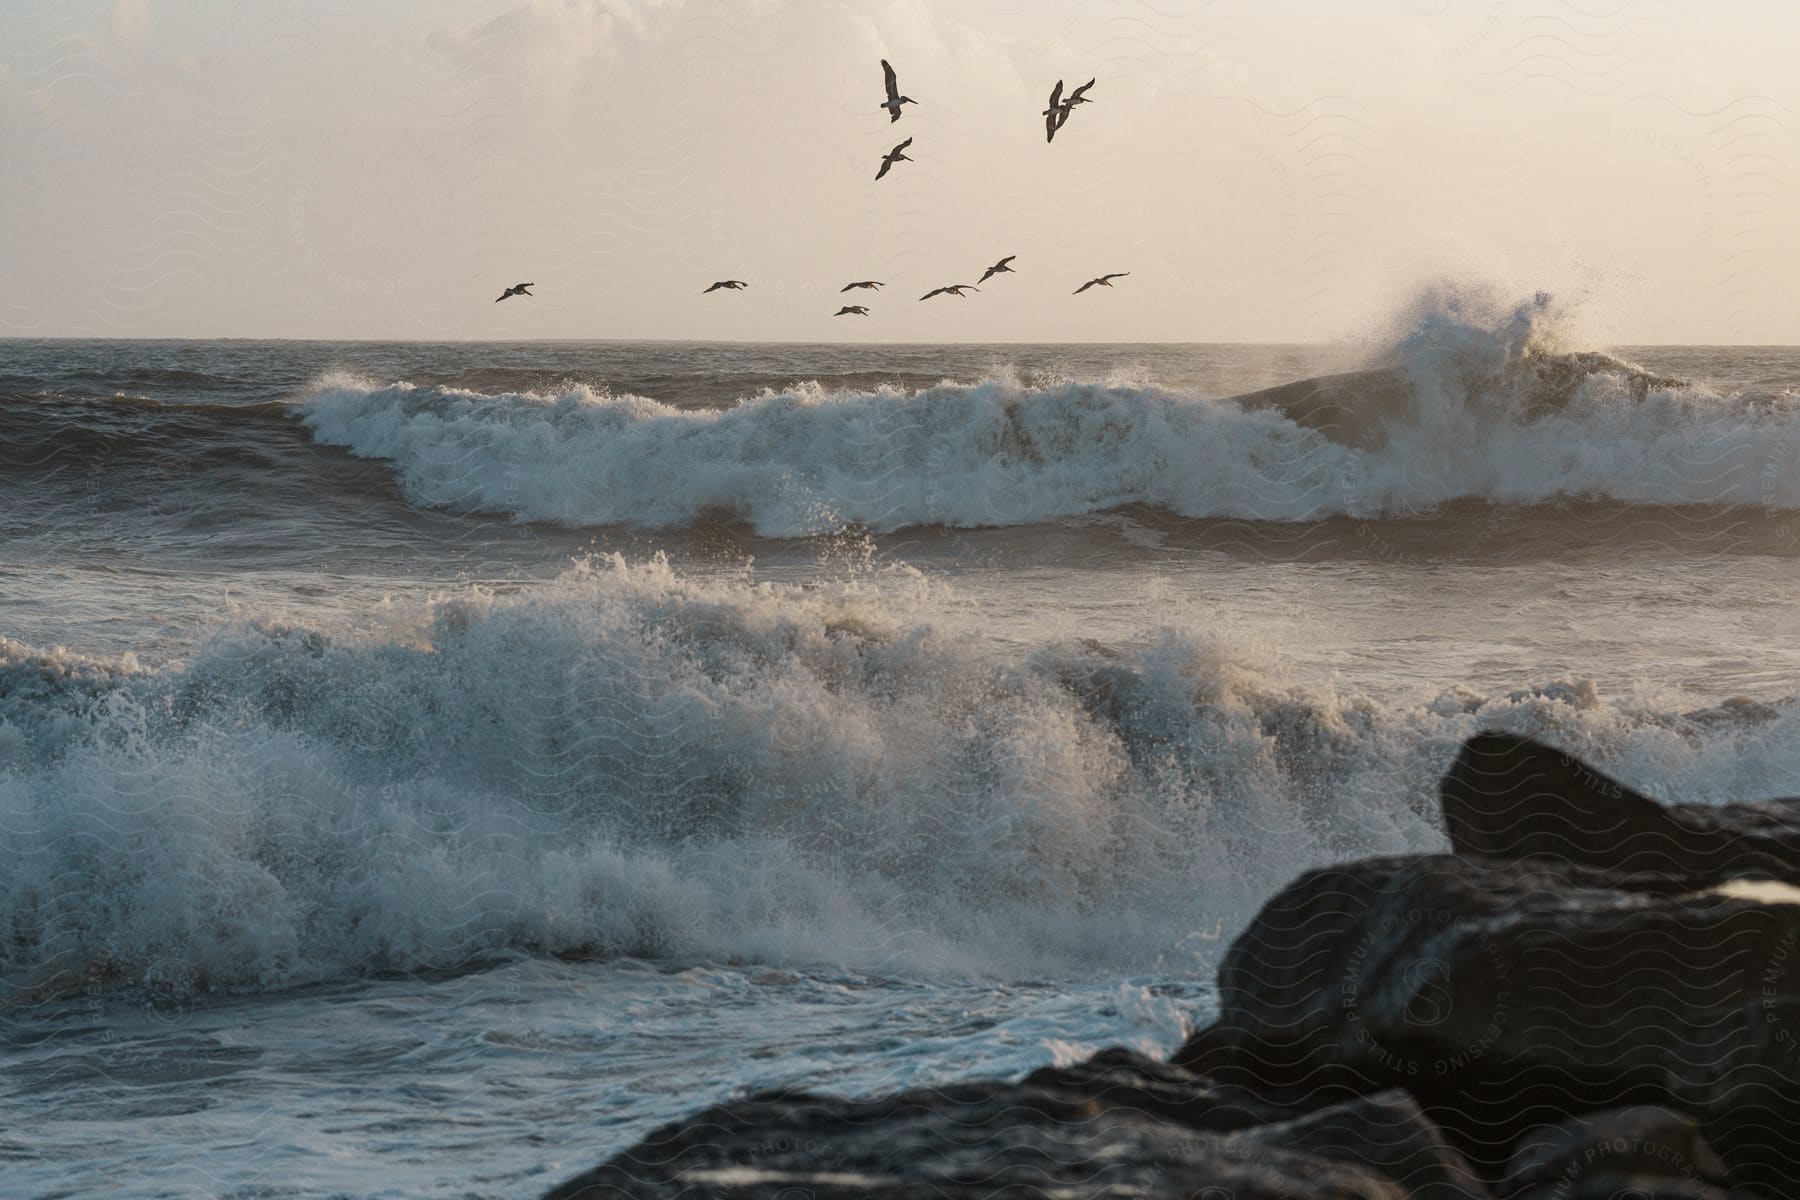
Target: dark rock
1630,1187
1647,1145
1385,1132
1123,1079
1510,797
1359,408
1056,1133
1508,995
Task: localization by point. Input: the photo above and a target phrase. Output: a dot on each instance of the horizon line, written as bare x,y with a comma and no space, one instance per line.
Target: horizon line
700,341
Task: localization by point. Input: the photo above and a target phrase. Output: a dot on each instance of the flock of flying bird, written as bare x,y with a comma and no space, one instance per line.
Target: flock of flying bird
1055,117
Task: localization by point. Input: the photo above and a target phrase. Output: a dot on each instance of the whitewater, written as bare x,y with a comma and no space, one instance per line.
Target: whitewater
1456,412
426,768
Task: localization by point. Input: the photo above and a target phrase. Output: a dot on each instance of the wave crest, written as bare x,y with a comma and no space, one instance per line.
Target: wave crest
1458,410
631,761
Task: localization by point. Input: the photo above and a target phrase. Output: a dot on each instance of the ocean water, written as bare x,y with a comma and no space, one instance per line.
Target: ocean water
426,768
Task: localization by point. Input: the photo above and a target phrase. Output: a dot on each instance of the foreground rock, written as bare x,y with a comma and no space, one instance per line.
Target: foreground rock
1598,997
1644,1150
1511,797
1507,996
1078,1133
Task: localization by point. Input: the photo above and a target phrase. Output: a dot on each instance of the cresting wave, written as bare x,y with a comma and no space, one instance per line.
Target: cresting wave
1457,411
631,761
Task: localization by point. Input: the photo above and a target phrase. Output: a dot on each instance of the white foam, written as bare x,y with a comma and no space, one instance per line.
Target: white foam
808,459
630,761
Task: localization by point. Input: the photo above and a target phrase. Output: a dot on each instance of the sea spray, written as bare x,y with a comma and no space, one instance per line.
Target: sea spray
1483,406
631,761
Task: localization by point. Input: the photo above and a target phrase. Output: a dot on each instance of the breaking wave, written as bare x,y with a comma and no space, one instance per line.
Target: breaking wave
630,761
1489,409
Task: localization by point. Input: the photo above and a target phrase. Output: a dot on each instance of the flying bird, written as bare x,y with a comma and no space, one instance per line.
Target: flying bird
955,289
735,285
894,98
851,310
897,154
517,289
999,268
1103,281
1057,115
1055,111
866,283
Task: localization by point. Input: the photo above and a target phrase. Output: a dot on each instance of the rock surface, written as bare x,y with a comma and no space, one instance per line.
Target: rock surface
1030,1140
1589,1001
1511,797
1508,995
1643,1145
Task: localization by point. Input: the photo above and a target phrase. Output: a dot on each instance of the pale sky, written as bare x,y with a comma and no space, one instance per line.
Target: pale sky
1267,170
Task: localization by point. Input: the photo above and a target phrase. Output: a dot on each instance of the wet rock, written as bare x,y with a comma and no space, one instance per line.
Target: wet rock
1647,1147
1386,1132
1123,1079
1511,797
1509,995
1046,1136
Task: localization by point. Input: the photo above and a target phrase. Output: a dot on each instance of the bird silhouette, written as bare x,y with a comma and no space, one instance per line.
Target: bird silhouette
894,98
897,154
999,268
1057,115
1103,281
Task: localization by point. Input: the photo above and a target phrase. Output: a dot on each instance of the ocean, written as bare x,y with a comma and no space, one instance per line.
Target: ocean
426,768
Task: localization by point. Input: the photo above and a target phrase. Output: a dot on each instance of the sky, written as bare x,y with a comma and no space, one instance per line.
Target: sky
1267,170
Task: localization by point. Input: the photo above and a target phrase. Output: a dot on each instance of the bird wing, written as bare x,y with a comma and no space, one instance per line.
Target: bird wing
893,88
1050,125
715,287
1056,93
885,164
502,296
524,285
1075,96
1004,261
1084,287
903,145
933,292
1116,275
985,274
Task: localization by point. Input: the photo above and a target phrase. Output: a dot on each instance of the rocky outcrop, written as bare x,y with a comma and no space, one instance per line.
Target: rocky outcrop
1510,797
1506,996
1643,1149
1591,999
1035,1139
1360,408
1385,1132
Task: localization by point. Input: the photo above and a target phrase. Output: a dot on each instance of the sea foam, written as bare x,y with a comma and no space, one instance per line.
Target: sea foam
1459,408
630,761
